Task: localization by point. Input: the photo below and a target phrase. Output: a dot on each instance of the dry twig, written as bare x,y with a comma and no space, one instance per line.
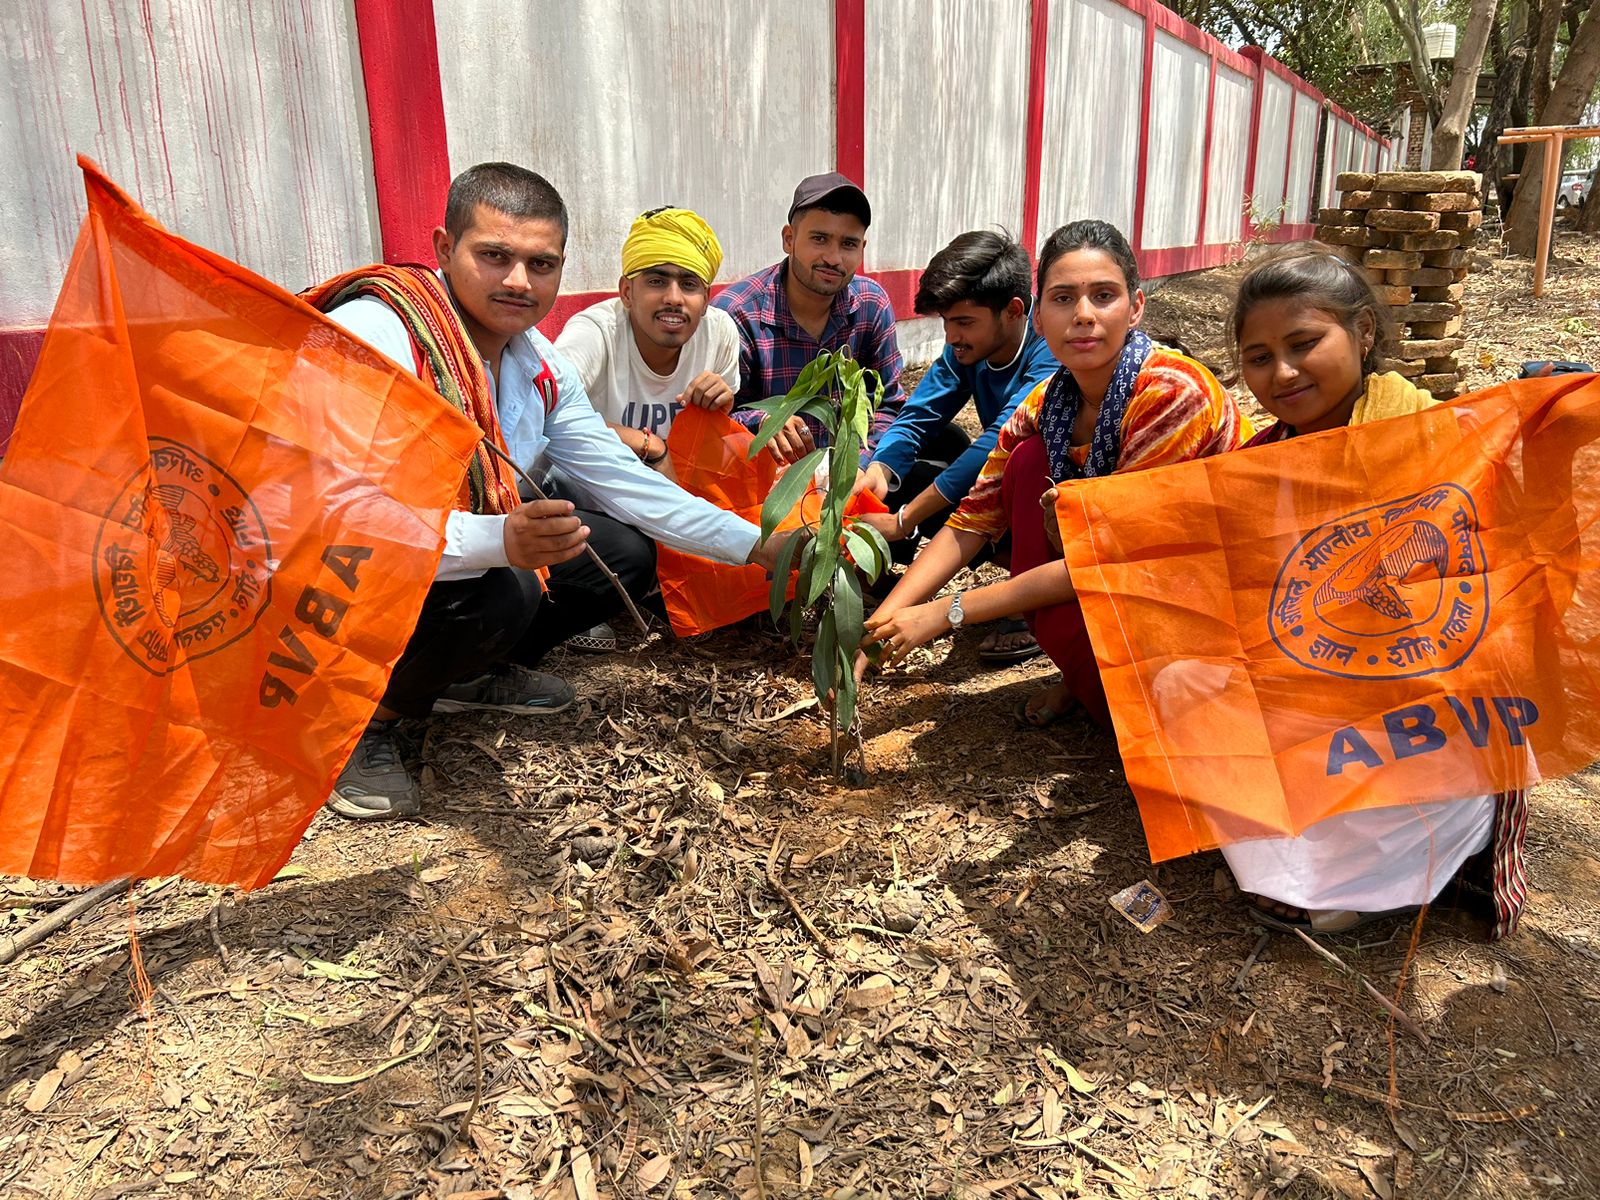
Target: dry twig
1389,1005
214,924
62,917
633,609
788,898
421,989
477,1038
1261,944
755,1112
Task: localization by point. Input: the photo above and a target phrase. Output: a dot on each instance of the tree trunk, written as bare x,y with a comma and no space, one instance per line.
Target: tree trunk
1493,160
1410,26
1506,82
1450,132
1544,48
1567,100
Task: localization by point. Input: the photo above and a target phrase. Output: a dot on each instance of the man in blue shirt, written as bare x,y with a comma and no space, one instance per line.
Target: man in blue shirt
979,286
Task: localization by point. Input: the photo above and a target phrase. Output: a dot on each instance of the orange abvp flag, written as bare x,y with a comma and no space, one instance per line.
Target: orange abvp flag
1395,612
219,515
711,458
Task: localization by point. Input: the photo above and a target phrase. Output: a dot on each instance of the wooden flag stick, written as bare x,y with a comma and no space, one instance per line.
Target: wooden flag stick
61,917
644,626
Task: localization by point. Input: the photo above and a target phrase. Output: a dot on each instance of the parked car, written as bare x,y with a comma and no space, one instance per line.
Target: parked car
1574,191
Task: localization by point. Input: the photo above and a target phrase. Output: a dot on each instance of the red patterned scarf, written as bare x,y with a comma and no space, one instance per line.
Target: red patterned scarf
419,298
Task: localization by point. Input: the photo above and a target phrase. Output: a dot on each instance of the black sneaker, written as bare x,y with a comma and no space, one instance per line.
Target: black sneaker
375,785
508,688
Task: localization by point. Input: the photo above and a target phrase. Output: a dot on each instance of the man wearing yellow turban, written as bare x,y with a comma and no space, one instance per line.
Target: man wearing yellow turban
658,346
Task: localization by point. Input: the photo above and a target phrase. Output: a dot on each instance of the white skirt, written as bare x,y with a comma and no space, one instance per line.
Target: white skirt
1370,860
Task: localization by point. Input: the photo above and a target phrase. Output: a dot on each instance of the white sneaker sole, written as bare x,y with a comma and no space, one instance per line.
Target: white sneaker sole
354,812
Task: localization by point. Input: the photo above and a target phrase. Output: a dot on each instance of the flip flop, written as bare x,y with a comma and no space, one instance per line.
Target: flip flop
1007,627
1042,717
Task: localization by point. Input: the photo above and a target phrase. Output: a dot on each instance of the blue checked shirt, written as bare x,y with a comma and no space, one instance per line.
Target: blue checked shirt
774,348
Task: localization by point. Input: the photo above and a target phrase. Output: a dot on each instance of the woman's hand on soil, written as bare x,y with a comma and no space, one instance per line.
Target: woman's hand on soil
902,632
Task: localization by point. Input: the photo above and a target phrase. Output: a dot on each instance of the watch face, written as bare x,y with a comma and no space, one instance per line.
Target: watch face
956,615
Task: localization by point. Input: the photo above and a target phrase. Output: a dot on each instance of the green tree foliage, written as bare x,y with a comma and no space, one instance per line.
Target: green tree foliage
1323,43
842,395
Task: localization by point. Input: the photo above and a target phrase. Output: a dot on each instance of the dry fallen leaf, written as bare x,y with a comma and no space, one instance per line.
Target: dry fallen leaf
653,1172
1378,1183
583,1175
44,1091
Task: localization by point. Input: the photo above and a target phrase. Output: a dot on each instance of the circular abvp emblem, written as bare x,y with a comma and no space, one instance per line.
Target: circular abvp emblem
180,561
1389,592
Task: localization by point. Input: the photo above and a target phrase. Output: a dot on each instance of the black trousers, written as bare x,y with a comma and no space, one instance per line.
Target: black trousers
468,626
940,450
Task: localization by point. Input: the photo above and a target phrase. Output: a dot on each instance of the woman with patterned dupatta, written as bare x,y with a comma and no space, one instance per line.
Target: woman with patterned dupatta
1118,403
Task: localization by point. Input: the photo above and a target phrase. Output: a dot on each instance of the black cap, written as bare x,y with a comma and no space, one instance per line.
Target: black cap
814,189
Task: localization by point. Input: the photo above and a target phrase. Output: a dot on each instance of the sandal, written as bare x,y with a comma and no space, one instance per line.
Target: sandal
1043,716
601,639
1335,920
1019,652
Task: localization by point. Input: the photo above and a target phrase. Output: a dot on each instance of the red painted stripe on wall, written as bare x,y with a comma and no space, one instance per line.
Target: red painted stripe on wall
1141,179
405,112
850,88
1205,162
1033,145
19,351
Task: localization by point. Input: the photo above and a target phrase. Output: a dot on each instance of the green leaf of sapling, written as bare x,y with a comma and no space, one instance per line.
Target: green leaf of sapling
786,493
824,656
848,610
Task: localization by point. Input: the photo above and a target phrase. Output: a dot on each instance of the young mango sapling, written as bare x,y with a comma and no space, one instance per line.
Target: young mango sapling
842,396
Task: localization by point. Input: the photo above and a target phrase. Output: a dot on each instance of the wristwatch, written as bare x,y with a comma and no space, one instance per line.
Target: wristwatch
956,616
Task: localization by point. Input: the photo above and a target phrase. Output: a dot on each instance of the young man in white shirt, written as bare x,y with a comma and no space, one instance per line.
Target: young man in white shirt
657,346
489,615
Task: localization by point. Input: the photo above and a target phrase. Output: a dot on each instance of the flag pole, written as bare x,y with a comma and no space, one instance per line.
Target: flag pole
539,493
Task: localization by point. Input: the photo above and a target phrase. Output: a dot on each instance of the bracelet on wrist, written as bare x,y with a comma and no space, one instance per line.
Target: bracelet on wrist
646,456
900,521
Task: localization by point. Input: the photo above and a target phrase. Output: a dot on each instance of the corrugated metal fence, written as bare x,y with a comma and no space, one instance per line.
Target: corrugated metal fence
303,137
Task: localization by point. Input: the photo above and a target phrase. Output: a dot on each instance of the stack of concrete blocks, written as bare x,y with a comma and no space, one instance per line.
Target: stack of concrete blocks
1411,232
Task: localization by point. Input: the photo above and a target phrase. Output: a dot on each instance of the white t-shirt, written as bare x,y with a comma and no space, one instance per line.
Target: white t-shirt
599,342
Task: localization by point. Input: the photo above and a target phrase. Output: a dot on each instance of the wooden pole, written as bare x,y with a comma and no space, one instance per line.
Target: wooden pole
1554,138
1547,208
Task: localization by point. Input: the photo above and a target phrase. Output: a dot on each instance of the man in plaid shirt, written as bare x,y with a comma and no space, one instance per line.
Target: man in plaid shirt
809,302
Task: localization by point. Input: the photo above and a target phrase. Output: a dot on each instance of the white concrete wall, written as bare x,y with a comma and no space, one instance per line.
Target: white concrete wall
1180,78
1335,147
1094,67
946,123
1230,151
240,127
1272,147
720,107
1302,158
